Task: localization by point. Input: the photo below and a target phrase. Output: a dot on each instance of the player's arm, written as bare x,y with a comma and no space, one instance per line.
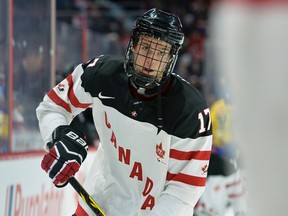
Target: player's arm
188,165
66,147
63,102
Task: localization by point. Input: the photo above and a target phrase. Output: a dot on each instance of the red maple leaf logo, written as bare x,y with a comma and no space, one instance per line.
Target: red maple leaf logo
204,168
61,87
159,151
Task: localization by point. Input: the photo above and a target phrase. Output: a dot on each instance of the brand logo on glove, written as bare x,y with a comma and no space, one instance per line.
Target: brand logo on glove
75,137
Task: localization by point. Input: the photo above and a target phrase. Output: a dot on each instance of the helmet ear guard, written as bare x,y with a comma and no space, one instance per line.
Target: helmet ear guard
159,25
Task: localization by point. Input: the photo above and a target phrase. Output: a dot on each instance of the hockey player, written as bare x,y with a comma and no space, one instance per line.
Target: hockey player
225,187
154,127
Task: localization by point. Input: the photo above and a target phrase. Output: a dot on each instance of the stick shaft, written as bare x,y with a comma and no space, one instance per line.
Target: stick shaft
86,197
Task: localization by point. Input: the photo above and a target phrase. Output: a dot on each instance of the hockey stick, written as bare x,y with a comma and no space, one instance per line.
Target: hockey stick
86,197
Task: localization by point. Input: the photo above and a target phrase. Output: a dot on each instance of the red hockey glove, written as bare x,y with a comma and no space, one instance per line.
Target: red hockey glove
67,151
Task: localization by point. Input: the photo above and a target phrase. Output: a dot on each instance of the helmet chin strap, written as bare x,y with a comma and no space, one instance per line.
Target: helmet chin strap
141,91
147,92
152,92
159,109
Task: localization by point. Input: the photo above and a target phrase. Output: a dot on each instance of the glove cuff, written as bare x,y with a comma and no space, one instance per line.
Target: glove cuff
61,185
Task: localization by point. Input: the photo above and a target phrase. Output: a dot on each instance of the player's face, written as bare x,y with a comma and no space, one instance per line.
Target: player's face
151,56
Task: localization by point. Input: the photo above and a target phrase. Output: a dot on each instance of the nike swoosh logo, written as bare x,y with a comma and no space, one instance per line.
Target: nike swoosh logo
104,97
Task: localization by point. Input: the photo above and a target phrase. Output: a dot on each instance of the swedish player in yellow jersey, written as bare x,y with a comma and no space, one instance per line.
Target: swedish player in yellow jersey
221,115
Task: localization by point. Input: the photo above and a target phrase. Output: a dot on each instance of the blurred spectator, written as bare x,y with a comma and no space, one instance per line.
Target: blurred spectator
101,19
31,78
3,91
3,131
70,10
3,114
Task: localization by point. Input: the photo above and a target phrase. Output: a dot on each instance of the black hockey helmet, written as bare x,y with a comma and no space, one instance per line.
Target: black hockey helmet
160,25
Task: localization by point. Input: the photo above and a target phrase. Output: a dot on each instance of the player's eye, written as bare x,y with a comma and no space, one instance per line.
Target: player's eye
161,52
145,47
